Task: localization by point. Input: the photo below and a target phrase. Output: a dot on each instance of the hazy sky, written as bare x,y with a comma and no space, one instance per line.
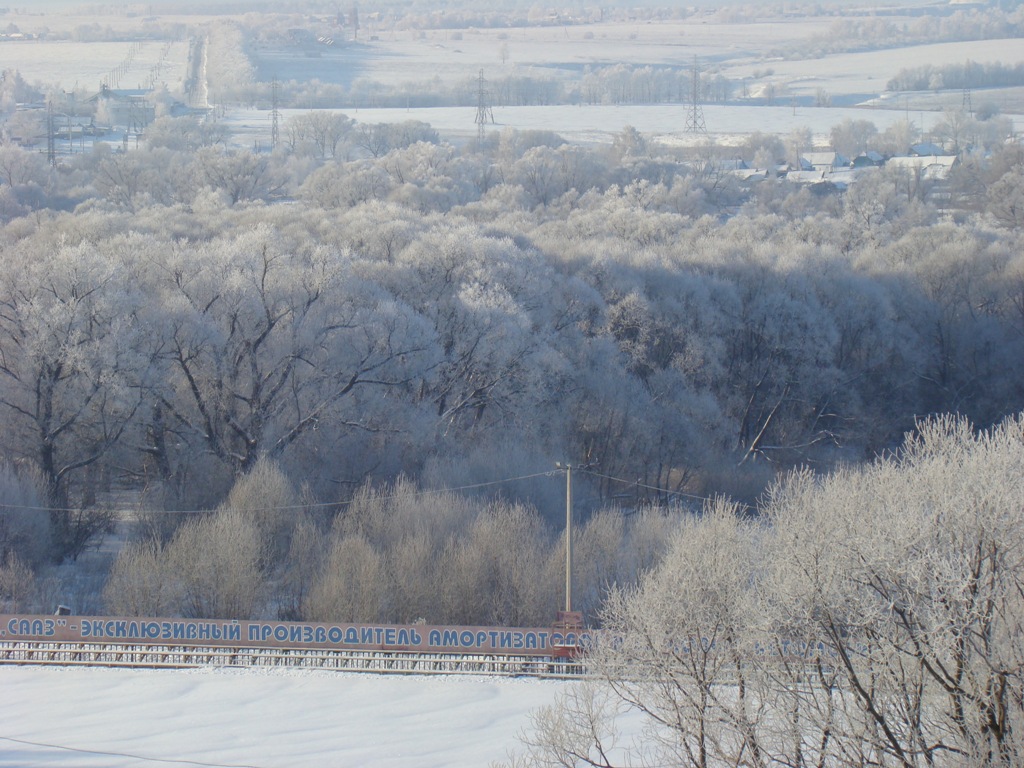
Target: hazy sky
164,5
157,5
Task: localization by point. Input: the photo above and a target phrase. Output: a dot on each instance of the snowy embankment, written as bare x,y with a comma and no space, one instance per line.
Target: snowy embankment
114,718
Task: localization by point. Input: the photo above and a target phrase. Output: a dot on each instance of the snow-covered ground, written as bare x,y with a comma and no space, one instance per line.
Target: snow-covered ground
116,718
749,53
72,65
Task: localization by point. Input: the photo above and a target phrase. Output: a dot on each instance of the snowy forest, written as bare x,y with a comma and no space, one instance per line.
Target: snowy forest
342,378
321,339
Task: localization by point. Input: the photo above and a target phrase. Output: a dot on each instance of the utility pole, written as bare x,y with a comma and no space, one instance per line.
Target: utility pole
568,533
568,538
353,21
569,623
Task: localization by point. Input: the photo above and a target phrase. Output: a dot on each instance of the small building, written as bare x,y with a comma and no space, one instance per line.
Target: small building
925,149
73,126
806,177
131,109
869,159
825,161
843,178
933,167
750,174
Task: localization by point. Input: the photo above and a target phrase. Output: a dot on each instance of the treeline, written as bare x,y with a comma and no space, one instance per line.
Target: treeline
393,553
620,83
970,74
614,84
363,304
878,31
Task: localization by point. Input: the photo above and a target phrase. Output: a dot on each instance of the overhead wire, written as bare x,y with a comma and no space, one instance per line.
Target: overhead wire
125,755
315,505
657,489
666,492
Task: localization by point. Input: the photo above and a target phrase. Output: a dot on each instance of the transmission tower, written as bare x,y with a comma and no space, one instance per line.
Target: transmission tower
484,114
51,147
274,116
694,112
967,89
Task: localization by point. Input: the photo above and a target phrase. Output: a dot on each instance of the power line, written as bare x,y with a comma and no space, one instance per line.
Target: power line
319,505
667,492
140,758
657,489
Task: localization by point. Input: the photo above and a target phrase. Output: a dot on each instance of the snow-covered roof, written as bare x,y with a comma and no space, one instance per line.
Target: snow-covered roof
825,159
750,173
933,166
805,177
868,158
847,176
926,149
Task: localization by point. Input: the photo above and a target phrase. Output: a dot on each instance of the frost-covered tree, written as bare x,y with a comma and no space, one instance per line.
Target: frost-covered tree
852,137
868,617
1006,199
915,591
267,496
321,133
264,343
184,134
346,185
218,564
353,586
142,582
73,372
495,570
239,175
24,526
21,167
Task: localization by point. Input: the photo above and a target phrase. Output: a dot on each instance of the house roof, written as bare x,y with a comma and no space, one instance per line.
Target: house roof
932,166
805,177
750,173
119,94
831,159
869,158
924,161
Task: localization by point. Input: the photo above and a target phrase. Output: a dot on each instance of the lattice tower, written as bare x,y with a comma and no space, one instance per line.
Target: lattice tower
484,113
695,112
275,116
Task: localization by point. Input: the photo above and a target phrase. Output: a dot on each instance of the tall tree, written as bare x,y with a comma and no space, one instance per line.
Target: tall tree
72,368
264,342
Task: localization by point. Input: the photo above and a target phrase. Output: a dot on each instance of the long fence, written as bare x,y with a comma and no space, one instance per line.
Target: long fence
393,649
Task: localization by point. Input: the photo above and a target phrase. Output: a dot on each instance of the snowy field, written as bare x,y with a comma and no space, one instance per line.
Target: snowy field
754,53
97,718
395,57
858,77
73,65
